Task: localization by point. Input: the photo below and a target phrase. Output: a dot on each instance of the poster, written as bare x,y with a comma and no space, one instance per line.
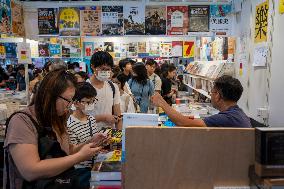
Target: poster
69,21
11,50
134,20
188,49
24,53
71,47
112,20
54,50
90,21
2,51
43,50
88,49
132,49
177,48
220,21
198,18
98,46
165,49
142,47
124,49
156,20
260,56
109,46
177,17
47,21
5,17
18,27
281,6
34,50
261,22
154,49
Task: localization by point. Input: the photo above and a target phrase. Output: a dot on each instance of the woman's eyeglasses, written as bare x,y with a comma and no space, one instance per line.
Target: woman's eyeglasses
70,102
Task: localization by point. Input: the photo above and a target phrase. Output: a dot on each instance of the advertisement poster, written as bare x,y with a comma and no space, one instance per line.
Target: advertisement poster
98,46
47,21
18,27
90,21
188,49
43,50
55,50
5,17
112,20
177,17
261,22
71,47
132,49
142,47
198,18
154,49
24,53
2,51
34,50
109,46
177,48
165,49
134,20
88,49
220,21
156,20
11,50
69,21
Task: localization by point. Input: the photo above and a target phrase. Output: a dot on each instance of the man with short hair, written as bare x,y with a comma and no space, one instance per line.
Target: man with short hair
151,66
125,66
224,97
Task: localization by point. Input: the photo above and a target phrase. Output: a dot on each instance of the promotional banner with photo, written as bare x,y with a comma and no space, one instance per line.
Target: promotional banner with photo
18,27
177,20
112,20
90,21
5,17
71,47
69,21
220,20
48,21
156,20
134,20
198,18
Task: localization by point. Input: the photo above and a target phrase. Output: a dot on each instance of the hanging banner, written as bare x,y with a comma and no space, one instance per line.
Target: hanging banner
112,20
281,6
71,47
5,17
69,21
188,49
24,53
88,49
2,51
54,50
90,21
43,50
47,21
134,20
220,21
177,17
11,50
18,27
198,18
165,49
261,22
177,48
154,49
156,20
142,47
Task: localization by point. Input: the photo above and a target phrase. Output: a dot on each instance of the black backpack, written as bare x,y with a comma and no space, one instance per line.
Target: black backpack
49,147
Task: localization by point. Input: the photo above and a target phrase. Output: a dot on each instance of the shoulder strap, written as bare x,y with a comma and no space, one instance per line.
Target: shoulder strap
130,83
127,102
112,88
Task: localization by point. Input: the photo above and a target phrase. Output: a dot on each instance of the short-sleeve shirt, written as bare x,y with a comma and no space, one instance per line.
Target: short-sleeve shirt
156,81
232,117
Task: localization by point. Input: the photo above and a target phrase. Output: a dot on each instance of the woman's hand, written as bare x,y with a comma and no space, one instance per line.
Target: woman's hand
157,100
88,151
98,139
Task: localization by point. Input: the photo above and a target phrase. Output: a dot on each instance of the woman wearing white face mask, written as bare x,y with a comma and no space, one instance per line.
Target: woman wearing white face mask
82,126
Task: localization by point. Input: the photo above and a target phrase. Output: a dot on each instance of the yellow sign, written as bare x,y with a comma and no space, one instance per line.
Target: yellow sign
281,6
188,49
2,49
261,22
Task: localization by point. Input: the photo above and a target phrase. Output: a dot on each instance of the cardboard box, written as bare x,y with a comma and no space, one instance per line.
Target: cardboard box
188,158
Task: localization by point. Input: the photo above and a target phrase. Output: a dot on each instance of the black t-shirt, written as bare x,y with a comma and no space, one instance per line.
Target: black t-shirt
166,89
128,77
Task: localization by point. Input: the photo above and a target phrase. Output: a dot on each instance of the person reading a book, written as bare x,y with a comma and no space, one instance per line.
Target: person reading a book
224,97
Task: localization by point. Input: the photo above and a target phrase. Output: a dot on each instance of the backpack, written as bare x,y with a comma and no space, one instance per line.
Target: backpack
48,147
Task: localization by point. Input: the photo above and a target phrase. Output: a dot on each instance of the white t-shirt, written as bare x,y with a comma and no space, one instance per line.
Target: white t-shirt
105,102
126,98
156,81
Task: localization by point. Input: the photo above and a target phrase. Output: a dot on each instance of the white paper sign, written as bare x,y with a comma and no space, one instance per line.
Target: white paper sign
260,55
221,24
177,19
24,53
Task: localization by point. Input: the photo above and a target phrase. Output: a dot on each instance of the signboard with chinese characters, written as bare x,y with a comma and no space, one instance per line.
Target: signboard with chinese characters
261,22
47,21
198,18
90,21
177,17
220,21
69,21
177,48
112,20
281,6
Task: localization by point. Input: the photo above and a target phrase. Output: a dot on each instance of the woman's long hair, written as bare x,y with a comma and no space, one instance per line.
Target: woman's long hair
141,73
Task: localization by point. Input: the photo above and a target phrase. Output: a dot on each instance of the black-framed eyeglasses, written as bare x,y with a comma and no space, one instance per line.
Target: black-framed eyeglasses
70,102
93,101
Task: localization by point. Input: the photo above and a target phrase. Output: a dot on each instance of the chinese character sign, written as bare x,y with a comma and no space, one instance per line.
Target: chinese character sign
112,20
177,48
220,21
261,22
69,21
90,21
281,6
5,16
177,17
198,18
47,21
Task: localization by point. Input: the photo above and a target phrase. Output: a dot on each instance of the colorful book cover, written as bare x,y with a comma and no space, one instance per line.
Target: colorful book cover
90,21
165,49
156,20
98,46
132,49
177,17
18,27
198,18
34,50
11,50
88,49
154,49
109,46
71,47
177,48
55,50
69,21
188,49
134,19
112,20
142,47
261,22
220,21
5,17
47,21
2,51
43,50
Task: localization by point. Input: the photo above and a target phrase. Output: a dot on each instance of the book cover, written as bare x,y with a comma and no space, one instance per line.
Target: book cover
156,20
90,21
134,19
198,18
177,20
112,20
69,21
48,21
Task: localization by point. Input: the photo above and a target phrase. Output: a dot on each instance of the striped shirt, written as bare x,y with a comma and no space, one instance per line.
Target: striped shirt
79,132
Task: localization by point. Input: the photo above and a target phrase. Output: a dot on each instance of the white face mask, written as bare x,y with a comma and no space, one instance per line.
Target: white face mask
88,109
103,75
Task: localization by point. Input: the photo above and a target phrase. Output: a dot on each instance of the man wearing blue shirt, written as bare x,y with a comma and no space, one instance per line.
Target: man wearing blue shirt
224,97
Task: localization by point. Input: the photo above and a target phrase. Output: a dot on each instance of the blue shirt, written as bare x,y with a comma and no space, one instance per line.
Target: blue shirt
232,117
